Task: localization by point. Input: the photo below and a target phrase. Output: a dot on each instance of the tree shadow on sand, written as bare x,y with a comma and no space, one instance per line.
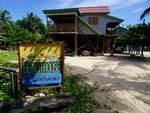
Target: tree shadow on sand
128,60
116,80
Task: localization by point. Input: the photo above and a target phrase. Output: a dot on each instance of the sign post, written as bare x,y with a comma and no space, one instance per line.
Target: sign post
41,64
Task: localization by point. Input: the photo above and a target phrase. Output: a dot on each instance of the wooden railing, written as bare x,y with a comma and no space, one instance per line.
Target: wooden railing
13,76
113,32
62,27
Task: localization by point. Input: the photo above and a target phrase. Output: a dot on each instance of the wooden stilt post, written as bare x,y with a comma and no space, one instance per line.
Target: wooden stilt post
58,89
76,40
113,46
103,43
14,84
76,45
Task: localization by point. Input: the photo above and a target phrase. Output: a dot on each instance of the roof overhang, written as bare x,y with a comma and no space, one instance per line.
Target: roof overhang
76,11
67,11
113,18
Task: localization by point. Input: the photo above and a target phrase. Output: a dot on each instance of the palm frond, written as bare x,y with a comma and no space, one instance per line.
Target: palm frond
145,13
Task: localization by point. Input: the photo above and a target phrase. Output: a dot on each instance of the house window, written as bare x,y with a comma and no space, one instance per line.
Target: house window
93,20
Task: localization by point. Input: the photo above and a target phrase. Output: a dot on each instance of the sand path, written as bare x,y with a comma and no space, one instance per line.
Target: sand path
124,81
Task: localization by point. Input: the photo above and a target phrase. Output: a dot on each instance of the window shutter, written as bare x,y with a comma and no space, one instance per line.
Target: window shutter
93,20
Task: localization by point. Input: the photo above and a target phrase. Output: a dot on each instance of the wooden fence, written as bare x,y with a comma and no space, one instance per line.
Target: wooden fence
13,76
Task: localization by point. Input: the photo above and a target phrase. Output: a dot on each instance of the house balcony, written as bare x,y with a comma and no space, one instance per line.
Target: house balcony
62,28
112,29
111,32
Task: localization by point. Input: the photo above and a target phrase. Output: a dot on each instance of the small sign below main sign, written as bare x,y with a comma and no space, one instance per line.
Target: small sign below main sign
41,64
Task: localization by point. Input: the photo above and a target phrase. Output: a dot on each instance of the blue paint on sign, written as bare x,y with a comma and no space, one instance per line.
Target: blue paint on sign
37,74
42,79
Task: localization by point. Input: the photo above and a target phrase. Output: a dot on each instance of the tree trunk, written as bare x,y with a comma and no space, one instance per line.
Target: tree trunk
142,52
113,46
50,103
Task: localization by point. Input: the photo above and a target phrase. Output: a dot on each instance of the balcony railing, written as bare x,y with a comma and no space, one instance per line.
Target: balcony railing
113,32
62,27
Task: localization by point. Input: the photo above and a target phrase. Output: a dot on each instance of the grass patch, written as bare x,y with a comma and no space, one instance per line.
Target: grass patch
76,85
8,56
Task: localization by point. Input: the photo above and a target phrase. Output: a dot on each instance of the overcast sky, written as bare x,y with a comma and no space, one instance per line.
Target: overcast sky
129,10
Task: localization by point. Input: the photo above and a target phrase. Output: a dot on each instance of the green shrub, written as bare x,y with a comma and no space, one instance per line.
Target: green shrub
5,90
83,92
5,85
74,84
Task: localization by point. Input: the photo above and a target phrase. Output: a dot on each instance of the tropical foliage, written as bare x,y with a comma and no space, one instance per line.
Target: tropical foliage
145,13
137,36
29,28
76,85
32,23
6,25
21,34
6,29
5,16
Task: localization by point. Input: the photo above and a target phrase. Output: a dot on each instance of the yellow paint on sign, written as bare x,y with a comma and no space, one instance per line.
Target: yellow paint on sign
40,52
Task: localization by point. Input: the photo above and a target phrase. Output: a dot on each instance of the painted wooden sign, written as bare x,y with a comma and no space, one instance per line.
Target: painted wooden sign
41,64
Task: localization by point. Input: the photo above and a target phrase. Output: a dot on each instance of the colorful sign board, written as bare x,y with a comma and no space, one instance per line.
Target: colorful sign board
41,64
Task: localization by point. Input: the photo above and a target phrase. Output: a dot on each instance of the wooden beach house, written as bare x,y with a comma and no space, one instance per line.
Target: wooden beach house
85,28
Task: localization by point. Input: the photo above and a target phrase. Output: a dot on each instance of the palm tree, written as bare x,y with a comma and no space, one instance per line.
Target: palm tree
6,25
32,23
5,16
145,13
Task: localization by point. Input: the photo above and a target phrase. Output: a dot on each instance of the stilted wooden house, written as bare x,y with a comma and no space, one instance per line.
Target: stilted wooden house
84,28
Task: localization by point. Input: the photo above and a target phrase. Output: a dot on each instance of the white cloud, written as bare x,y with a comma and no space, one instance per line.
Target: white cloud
65,3
138,10
98,2
117,4
127,3
57,4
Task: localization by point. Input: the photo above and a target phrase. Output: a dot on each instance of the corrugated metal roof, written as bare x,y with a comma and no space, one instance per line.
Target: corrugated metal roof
99,9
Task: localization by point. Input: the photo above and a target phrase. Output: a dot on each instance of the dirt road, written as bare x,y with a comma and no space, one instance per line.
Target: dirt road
124,81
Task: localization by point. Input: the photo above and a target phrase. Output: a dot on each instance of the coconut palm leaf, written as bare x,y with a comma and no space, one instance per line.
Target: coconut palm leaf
145,13
5,16
32,23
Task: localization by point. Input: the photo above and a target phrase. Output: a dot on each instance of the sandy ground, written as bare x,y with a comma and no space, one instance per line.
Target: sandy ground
124,81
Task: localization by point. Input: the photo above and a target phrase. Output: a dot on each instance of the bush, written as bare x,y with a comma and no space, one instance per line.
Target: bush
83,92
74,84
5,90
5,85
